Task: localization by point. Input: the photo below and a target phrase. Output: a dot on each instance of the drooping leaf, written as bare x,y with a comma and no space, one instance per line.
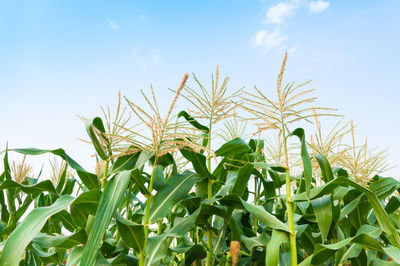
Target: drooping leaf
139,181
277,239
198,161
383,186
28,229
60,241
92,125
326,170
88,179
45,185
132,233
233,147
265,217
323,252
193,121
305,157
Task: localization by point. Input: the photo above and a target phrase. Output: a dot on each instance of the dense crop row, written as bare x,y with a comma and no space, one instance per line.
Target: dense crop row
166,191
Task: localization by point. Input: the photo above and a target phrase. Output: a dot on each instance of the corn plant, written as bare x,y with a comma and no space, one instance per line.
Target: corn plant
182,188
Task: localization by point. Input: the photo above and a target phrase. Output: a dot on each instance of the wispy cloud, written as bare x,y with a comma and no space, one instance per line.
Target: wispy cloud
275,19
278,13
157,59
113,25
147,57
318,6
268,40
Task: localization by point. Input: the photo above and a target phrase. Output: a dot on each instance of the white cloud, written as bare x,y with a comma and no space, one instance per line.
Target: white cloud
157,59
268,40
147,57
318,6
281,11
113,25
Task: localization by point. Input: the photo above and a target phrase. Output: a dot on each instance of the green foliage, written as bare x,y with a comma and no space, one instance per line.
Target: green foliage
171,198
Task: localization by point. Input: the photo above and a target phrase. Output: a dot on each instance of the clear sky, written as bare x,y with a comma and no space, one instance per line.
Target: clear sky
60,59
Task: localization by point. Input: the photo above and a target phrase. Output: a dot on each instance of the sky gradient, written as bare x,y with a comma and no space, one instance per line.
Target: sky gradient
60,59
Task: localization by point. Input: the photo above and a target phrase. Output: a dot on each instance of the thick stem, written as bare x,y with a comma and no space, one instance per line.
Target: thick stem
255,203
128,202
209,194
289,204
104,179
142,258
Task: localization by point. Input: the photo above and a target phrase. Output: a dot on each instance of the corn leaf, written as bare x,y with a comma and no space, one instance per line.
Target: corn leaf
28,229
109,201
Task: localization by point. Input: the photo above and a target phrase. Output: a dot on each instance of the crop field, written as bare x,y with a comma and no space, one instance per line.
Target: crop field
199,133
232,180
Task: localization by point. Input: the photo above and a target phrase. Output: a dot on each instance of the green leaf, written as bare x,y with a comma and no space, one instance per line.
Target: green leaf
173,191
326,170
132,233
91,125
348,208
18,214
242,179
299,132
323,252
28,229
193,121
29,189
139,180
383,186
75,256
233,147
256,241
66,219
277,239
265,217
195,252
126,162
383,218
88,179
110,199
88,201
11,191
183,225
61,241
323,211
69,186
198,161
157,246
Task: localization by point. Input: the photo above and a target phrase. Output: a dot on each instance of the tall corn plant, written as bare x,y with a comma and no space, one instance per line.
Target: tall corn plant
279,115
210,106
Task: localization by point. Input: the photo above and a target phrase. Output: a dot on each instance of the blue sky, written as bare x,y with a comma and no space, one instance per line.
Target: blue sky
59,59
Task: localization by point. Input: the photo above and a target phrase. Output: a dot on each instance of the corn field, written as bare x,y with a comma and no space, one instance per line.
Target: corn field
234,179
